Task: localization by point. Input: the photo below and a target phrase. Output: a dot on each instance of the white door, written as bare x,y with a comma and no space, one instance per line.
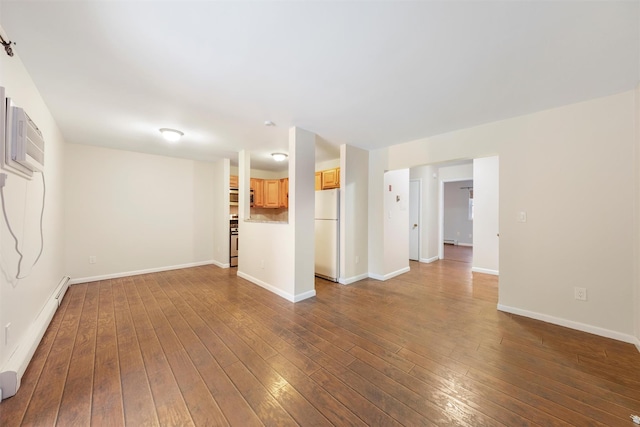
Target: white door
414,220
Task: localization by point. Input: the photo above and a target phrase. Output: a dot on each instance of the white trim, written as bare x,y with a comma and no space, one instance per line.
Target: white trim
138,272
429,260
607,333
277,291
485,271
305,295
470,245
220,264
389,275
11,373
353,279
419,181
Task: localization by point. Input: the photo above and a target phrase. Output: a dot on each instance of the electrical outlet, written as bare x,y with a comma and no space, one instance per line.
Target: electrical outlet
580,293
92,259
262,264
357,259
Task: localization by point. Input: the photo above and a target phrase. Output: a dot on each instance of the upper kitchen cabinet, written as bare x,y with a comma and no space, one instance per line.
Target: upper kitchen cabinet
284,193
233,181
328,179
271,193
257,186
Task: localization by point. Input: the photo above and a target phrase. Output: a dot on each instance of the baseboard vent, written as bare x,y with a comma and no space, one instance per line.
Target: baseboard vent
11,373
62,289
450,242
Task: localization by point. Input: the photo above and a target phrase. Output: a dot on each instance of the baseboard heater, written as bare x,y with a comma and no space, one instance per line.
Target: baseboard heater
15,367
450,242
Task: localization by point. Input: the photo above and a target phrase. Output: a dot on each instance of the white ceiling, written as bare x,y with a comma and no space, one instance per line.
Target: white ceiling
370,74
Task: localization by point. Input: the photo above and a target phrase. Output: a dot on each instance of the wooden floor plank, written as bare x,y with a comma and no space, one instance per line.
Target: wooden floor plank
139,407
45,403
201,346
75,408
107,408
12,410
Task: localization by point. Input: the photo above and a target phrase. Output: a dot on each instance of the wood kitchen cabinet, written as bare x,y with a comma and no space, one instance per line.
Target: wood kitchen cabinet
330,178
284,193
233,181
271,193
318,181
257,185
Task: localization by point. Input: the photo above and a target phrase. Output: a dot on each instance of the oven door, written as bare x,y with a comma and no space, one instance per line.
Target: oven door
233,253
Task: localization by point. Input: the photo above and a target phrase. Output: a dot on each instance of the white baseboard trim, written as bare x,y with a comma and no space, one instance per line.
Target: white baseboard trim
221,264
353,279
11,373
305,295
389,275
429,260
138,272
607,333
485,271
277,291
470,245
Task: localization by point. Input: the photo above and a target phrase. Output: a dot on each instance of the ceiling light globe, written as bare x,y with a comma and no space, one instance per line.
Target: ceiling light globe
171,135
278,157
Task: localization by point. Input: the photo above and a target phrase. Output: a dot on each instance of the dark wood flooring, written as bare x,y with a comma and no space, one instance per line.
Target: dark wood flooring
202,347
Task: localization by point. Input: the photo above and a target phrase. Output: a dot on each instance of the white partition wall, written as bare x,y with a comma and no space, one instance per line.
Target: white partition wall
486,226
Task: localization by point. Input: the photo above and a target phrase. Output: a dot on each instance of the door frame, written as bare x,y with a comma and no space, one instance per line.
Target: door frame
419,204
441,214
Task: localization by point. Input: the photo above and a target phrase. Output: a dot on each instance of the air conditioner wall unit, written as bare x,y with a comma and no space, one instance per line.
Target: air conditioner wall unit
28,144
23,144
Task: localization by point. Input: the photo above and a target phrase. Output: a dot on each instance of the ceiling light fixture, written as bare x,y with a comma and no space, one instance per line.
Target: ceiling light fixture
269,123
278,157
171,135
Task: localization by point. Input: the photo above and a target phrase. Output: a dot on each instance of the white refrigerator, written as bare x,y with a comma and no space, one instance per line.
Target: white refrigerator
327,234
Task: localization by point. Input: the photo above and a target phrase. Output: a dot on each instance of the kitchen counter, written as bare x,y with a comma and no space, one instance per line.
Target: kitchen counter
265,221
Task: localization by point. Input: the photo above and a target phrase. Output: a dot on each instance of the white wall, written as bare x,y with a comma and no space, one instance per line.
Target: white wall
396,223
429,211
457,225
637,218
559,166
486,222
456,172
220,217
328,164
375,202
21,301
135,212
280,257
354,184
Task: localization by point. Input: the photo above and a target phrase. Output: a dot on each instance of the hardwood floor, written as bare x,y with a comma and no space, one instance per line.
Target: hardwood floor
203,347
458,253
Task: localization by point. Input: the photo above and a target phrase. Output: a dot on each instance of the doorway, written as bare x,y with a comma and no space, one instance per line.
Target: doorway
458,220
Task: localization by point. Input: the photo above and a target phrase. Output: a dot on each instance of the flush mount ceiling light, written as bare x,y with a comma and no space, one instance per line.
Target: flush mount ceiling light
269,123
171,135
278,157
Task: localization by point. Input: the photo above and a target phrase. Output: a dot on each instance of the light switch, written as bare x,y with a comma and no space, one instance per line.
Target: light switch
522,217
